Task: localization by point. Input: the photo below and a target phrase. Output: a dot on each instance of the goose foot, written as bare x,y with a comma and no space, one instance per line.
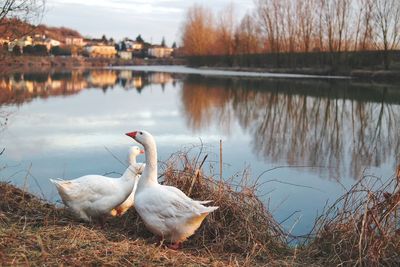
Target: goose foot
175,246
159,240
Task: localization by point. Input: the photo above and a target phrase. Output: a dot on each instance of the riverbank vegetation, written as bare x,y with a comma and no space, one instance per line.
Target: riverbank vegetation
361,228
296,34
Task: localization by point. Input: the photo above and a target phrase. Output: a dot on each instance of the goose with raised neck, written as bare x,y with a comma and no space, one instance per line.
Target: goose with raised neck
166,211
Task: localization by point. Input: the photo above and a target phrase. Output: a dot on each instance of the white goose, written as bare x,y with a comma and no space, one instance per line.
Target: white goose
94,196
166,211
134,167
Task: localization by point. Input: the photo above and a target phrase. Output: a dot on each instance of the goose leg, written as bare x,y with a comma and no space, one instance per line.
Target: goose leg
102,222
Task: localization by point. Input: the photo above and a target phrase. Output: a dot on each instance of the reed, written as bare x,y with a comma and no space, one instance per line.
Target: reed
362,228
242,224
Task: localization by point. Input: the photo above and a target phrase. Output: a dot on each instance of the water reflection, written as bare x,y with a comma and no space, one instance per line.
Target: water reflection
23,87
310,123
339,124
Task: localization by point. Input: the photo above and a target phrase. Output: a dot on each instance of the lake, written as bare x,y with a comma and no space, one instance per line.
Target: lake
315,136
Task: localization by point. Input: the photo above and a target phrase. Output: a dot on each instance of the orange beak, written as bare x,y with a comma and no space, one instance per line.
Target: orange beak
141,151
132,134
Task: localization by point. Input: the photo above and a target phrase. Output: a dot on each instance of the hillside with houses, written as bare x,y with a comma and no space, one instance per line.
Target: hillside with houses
22,39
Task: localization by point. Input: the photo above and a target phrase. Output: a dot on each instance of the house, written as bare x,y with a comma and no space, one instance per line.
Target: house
136,46
22,42
76,41
36,40
106,51
52,43
43,40
130,45
159,51
125,55
4,41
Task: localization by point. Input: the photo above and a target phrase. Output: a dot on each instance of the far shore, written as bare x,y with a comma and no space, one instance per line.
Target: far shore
13,64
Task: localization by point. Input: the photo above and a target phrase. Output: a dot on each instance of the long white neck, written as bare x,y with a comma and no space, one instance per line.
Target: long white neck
130,172
149,176
132,159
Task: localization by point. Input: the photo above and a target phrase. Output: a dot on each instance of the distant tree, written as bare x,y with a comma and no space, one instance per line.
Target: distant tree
198,32
104,38
40,50
28,50
174,45
123,46
139,39
111,40
247,37
387,23
59,51
16,50
163,42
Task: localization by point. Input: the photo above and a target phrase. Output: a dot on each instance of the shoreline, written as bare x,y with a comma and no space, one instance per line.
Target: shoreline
356,74
14,64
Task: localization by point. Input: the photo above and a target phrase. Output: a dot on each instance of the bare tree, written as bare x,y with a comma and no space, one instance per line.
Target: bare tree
305,22
266,13
225,31
198,32
367,33
297,26
248,36
25,10
288,19
363,21
387,23
343,9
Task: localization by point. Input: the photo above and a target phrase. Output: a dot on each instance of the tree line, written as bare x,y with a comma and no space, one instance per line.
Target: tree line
294,26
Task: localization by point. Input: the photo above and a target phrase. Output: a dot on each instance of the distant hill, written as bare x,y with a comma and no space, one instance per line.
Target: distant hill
14,28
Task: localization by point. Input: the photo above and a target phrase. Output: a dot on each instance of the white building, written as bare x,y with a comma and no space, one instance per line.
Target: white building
107,51
125,55
77,41
159,51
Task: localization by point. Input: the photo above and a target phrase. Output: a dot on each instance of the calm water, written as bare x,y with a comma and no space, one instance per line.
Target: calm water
325,134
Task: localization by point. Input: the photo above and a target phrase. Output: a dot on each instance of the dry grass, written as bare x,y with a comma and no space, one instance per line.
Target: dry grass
362,228
33,232
241,225
241,232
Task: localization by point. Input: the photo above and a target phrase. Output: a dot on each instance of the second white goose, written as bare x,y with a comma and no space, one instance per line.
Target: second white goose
94,196
136,168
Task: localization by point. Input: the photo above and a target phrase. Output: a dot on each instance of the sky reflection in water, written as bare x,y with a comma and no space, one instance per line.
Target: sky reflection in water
65,124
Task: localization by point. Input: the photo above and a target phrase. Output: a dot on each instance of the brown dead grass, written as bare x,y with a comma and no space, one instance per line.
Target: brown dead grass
241,225
33,232
240,233
362,228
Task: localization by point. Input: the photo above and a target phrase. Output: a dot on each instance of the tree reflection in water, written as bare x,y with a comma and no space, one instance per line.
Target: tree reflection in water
340,124
345,126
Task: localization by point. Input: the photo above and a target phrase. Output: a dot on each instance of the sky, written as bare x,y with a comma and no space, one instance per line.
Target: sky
153,19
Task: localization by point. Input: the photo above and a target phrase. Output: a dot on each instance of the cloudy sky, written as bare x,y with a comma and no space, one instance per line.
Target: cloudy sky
120,18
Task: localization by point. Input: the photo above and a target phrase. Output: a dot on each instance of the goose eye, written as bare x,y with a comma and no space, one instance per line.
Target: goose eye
141,133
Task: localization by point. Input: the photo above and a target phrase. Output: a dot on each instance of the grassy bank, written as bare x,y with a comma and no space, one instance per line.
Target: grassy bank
367,65
12,64
361,228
